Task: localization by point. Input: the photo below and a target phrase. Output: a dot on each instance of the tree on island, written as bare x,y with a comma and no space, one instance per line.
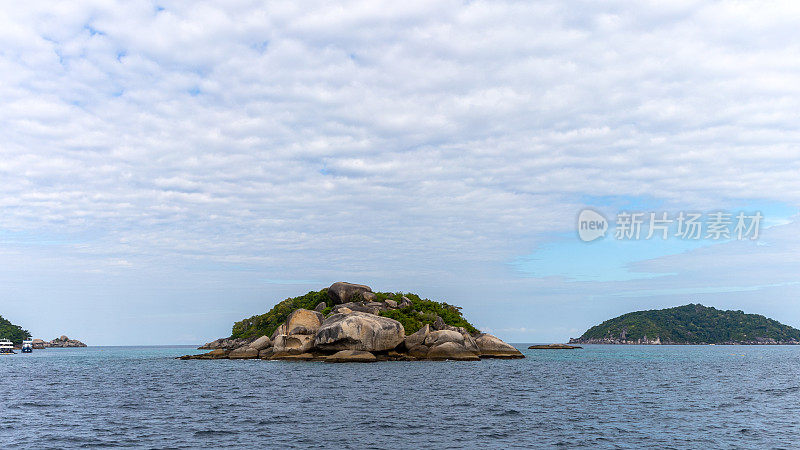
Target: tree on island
12,332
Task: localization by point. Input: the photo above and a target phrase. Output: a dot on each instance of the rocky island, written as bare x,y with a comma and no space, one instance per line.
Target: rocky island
690,324
59,342
350,323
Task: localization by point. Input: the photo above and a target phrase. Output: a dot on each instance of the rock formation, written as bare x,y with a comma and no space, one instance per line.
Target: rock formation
451,350
351,356
64,341
342,292
492,347
554,347
301,321
354,331
359,331
224,343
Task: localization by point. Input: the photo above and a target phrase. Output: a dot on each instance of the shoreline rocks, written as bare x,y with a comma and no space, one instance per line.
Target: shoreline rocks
243,353
492,347
351,356
451,350
223,343
554,347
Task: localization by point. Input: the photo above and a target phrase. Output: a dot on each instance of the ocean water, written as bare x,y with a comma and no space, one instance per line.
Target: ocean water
599,396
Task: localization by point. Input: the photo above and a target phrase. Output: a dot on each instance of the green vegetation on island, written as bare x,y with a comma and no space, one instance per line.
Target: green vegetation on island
413,316
265,324
690,324
424,311
12,332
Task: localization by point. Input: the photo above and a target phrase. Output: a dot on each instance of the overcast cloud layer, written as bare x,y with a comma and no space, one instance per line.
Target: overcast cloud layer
170,167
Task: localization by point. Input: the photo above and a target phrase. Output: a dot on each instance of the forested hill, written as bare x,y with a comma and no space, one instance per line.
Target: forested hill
15,333
690,324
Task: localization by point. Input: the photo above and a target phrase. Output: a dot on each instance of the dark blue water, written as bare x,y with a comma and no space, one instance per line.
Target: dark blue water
600,396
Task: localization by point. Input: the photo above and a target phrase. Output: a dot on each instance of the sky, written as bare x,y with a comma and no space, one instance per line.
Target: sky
169,168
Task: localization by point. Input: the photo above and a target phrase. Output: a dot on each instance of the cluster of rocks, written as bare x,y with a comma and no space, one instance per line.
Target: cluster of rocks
60,342
224,343
354,332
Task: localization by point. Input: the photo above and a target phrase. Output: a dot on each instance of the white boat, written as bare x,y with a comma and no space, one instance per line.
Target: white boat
27,346
6,347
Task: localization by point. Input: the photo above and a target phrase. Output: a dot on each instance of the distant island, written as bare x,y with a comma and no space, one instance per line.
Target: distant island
349,322
16,334
690,324
59,342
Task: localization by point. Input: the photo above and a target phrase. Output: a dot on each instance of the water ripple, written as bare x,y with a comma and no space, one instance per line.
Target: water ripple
599,397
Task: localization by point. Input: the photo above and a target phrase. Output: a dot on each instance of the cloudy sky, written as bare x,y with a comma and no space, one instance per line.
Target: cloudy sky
170,167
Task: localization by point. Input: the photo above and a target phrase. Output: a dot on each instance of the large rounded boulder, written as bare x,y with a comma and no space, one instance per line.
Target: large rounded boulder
261,343
441,336
341,292
293,344
418,338
300,321
492,347
451,350
359,331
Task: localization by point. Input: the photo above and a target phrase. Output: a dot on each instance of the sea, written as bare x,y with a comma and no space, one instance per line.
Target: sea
595,397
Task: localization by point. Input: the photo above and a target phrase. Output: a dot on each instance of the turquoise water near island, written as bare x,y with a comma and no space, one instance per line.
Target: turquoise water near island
599,396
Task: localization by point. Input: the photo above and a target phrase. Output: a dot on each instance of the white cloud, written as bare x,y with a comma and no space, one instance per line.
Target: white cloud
388,141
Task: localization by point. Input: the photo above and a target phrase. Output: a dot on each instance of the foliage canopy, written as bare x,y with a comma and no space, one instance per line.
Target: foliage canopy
693,324
12,332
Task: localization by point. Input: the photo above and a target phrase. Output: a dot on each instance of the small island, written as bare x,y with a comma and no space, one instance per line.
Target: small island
59,342
690,324
349,322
